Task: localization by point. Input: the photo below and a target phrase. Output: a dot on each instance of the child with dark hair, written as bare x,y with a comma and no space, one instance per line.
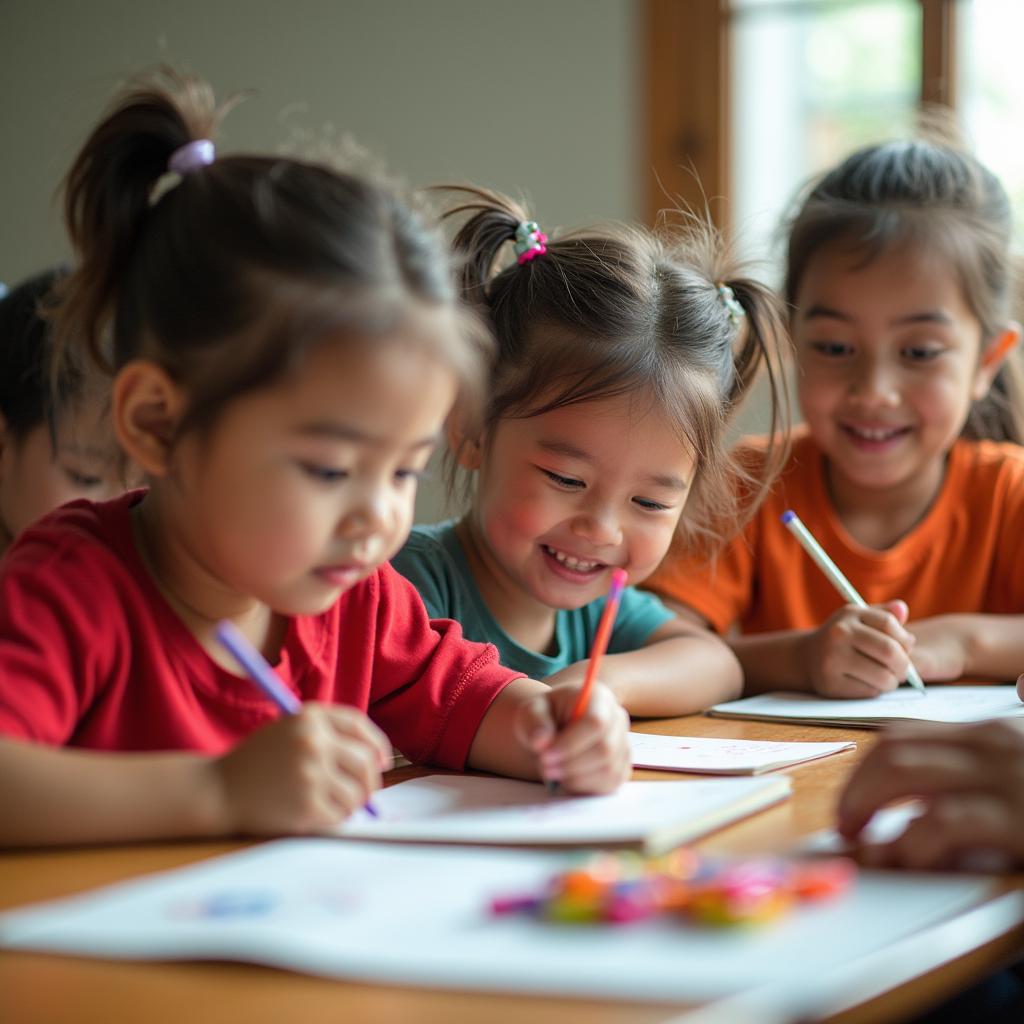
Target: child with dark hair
621,355
55,439
285,344
901,283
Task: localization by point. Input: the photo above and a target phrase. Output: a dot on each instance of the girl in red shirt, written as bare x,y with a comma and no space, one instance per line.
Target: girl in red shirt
285,346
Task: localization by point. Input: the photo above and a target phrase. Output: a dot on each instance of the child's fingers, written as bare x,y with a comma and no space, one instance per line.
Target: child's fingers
854,676
853,687
535,725
352,724
359,763
949,830
345,794
882,619
880,648
592,755
901,768
596,770
899,610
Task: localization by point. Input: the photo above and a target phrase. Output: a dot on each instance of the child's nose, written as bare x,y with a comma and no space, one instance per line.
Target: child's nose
876,382
366,513
598,526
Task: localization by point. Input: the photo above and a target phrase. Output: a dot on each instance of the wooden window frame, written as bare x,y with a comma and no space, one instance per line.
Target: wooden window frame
686,95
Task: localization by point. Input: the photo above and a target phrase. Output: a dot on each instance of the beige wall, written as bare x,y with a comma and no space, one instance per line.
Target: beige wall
524,95
531,94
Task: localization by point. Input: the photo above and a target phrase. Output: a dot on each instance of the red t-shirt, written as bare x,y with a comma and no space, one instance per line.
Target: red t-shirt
92,656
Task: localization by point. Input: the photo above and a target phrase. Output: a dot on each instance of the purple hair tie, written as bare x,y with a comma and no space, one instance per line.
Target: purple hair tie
191,156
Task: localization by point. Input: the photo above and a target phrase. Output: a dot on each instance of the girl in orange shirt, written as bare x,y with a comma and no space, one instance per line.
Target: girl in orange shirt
900,284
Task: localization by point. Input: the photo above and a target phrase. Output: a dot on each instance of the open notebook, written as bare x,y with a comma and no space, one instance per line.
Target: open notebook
415,915
940,704
650,816
709,755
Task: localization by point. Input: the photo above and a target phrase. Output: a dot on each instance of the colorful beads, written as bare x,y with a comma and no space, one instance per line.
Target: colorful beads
530,241
623,888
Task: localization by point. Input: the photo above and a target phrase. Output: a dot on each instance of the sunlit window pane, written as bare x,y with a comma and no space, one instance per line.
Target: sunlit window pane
991,88
810,82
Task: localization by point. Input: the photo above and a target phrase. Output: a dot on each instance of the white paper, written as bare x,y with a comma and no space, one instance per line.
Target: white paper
472,809
412,915
939,704
710,755
888,824
885,825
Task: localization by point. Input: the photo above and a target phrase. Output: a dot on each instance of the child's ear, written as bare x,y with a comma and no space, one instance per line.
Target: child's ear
994,356
146,408
465,445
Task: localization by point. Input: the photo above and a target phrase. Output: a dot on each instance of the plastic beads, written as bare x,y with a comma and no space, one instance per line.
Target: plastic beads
530,241
623,888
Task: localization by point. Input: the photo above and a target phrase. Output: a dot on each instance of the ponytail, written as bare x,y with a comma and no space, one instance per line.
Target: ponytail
108,192
223,274
761,351
614,310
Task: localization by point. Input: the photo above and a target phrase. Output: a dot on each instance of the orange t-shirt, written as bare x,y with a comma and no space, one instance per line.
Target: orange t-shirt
966,555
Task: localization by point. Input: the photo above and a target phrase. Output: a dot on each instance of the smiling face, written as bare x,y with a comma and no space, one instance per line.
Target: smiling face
889,356
565,497
37,476
301,489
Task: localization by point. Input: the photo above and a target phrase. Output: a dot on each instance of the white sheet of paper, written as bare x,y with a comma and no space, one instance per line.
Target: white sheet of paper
417,915
710,755
472,809
940,704
884,826
890,823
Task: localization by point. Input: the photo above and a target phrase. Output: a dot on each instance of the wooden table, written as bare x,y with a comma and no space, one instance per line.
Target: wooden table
42,989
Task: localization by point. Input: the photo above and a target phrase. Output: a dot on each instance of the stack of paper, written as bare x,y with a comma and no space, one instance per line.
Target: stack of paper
939,704
708,755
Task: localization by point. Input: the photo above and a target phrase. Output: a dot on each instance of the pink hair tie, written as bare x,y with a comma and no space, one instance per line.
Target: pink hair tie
530,241
191,156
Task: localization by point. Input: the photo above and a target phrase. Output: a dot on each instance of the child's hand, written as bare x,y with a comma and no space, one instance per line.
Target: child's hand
860,652
940,648
302,773
590,755
970,779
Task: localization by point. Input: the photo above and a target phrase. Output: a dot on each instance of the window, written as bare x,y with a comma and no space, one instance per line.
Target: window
990,89
808,83
748,99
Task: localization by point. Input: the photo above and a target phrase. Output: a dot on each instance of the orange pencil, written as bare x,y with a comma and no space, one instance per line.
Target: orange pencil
601,638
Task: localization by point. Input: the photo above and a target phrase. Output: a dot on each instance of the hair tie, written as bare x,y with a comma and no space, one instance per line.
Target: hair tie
530,241
732,305
191,157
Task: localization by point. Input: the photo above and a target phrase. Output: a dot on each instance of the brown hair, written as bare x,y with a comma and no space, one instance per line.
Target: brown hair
928,193
616,310
226,277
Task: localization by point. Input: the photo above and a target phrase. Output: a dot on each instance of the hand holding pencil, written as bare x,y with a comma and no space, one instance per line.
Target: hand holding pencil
862,650
579,731
305,772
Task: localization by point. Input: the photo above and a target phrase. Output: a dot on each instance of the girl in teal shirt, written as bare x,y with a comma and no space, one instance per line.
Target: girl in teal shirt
620,359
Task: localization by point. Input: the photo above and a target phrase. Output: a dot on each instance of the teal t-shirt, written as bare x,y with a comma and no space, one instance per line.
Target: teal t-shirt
434,562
